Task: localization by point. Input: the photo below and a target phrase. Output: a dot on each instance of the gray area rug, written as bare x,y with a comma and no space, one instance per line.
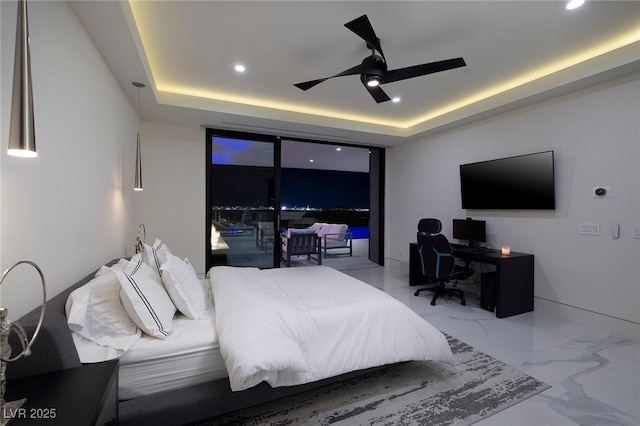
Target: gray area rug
413,393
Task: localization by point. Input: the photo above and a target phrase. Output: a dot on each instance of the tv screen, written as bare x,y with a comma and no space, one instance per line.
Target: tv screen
474,231
522,182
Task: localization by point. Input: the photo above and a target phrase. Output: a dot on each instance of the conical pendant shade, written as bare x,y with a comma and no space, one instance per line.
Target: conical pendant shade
138,180
22,135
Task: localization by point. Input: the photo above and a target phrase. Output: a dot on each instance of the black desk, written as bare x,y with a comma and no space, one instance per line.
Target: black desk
513,277
86,395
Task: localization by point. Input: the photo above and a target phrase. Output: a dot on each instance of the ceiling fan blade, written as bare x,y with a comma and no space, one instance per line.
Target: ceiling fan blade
424,69
306,85
376,92
358,69
362,28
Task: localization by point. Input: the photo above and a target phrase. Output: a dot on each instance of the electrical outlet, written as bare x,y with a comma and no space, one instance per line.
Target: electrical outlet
589,228
636,231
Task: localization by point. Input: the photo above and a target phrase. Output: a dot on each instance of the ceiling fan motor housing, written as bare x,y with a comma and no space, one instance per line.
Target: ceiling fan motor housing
376,68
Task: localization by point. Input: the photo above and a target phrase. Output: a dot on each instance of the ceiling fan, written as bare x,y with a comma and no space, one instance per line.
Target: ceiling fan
373,69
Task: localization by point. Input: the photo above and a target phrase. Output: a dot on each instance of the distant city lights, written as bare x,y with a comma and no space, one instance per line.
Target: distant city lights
288,208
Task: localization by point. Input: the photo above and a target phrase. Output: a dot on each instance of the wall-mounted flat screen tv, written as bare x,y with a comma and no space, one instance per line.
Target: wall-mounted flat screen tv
523,182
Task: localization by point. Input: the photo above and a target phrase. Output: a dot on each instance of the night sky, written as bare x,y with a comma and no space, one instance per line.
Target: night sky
324,188
252,187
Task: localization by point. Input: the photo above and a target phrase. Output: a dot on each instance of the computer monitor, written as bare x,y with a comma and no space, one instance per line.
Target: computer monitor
472,231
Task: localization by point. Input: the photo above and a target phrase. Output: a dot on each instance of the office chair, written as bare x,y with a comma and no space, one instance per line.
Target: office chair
437,261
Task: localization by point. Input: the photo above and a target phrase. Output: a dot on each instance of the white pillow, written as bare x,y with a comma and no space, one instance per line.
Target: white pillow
324,229
95,314
122,263
317,225
183,286
337,232
156,255
145,299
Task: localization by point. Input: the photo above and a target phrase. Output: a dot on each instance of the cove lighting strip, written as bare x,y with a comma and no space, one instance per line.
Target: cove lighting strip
163,85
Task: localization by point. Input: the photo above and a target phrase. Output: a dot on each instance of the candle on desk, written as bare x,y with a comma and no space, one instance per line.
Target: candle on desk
506,250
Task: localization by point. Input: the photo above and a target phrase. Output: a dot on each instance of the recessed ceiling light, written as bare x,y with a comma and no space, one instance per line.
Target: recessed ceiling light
311,161
574,4
338,149
396,99
604,50
240,68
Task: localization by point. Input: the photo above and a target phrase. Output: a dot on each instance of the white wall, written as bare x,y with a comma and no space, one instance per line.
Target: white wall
173,200
596,139
73,208
70,209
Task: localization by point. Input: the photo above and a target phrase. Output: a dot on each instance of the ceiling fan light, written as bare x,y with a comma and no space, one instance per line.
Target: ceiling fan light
373,81
574,4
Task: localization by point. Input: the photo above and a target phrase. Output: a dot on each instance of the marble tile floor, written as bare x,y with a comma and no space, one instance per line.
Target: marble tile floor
595,377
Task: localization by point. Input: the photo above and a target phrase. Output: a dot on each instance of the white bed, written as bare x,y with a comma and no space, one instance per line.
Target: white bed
191,355
282,326
298,325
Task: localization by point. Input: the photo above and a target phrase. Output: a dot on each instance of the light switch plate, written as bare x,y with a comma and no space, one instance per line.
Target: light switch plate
589,228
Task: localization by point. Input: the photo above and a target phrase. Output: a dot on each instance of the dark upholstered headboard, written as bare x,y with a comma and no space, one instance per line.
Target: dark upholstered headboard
54,348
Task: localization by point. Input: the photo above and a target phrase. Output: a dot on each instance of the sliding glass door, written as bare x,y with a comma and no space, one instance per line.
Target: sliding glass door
258,184
243,199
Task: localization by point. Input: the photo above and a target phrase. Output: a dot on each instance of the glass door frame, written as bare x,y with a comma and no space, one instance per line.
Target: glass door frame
275,140
377,188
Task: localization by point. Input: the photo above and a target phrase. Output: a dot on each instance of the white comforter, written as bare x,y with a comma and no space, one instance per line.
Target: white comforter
297,325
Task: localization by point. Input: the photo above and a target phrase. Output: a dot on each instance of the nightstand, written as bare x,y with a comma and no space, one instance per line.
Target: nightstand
82,396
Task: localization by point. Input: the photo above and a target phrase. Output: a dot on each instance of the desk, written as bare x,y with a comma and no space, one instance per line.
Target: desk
513,277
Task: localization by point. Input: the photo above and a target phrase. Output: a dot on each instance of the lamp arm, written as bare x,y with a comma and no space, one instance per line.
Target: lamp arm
22,336
26,351
139,243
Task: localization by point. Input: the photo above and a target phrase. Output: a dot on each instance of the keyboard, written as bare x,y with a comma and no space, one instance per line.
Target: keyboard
471,250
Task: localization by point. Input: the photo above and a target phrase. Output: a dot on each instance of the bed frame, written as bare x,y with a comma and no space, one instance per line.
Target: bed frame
54,350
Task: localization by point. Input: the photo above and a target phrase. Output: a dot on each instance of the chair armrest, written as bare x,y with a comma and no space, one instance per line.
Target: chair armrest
347,236
331,236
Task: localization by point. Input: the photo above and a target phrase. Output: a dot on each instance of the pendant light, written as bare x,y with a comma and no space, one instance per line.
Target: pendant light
138,179
22,135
